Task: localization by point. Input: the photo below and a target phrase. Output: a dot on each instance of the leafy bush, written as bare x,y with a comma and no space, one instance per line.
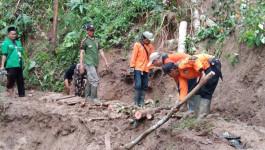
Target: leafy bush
224,16
112,20
253,21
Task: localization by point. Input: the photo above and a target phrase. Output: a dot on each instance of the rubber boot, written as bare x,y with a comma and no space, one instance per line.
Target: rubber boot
93,97
137,97
197,101
88,91
204,107
191,105
142,96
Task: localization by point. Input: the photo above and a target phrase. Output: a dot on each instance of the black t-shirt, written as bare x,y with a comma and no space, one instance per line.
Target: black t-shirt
70,72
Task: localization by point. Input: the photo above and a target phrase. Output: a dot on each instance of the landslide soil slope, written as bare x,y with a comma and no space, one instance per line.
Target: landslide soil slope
41,121
242,93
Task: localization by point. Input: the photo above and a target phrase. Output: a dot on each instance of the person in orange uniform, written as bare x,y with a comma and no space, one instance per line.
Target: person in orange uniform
138,66
193,67
158,60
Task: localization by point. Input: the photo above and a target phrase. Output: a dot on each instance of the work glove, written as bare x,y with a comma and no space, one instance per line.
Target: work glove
152,73
132,71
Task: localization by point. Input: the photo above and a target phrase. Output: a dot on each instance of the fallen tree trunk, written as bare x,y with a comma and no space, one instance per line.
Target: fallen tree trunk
168,116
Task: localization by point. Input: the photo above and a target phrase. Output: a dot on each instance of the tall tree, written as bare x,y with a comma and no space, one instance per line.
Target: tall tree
54,25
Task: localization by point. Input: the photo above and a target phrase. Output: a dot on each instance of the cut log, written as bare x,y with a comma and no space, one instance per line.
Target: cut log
148,113
151,114
182,37
139,114
168,116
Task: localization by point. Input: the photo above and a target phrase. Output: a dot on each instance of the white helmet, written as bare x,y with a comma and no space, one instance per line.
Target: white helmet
148,35
152,57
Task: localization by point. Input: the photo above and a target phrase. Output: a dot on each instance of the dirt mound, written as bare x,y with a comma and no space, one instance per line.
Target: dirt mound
51,121
55,121
117,84
241,95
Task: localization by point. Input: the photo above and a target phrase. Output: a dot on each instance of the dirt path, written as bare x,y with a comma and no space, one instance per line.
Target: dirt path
40,122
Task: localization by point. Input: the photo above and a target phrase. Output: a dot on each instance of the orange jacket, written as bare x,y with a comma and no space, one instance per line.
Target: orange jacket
189,69
139,58
174,57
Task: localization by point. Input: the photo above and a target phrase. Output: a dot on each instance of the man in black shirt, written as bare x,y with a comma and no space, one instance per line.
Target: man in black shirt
79,80
68,77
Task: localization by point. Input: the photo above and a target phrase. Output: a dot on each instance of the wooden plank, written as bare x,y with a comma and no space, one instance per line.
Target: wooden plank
107,141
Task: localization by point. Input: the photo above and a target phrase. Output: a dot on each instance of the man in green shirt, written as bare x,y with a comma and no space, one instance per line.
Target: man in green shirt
13,63
89,56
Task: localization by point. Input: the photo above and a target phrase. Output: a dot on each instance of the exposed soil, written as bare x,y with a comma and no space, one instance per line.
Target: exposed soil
242,93
51,121
41,121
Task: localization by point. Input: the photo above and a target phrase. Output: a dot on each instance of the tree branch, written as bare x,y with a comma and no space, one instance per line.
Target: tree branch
168,116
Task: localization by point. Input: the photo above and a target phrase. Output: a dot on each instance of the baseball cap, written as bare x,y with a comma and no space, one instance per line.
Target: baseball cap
167,68
152,57
148,35
90,27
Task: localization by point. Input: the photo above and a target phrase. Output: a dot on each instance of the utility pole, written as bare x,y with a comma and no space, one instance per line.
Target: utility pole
54,25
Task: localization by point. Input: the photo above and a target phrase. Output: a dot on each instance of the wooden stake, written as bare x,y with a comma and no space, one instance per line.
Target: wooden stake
182,36
107,141
168,116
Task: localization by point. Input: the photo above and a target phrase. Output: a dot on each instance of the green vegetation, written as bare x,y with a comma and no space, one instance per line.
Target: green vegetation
193,124
3,107
119,23
112,19
224,17
253,23
247,19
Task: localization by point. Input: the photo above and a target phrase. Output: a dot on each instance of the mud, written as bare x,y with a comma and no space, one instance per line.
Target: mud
51,121
43,122
242,94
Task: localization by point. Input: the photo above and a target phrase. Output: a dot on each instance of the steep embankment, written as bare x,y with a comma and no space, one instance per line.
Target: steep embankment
242,93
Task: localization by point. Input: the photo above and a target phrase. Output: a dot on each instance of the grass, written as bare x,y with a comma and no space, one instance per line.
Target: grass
3,107
191,124
171,146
